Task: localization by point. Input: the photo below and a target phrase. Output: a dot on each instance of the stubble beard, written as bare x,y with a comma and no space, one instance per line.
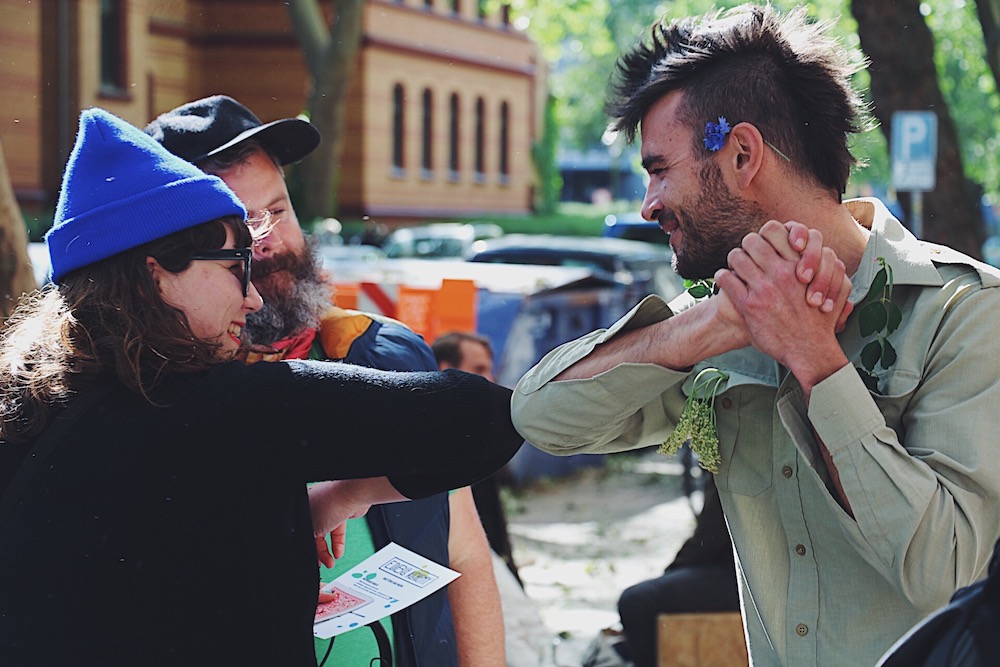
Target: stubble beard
715,224
296,293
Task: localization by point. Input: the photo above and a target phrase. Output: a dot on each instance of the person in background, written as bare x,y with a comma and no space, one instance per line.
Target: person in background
465,351
701,578
472,353
153,509
854,456
299,321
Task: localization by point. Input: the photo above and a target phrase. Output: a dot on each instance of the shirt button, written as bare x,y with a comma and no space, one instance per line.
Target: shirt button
800,549
727,403
786,471
802,629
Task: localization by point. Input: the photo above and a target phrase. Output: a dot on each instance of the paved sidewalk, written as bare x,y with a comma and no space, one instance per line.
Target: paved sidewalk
529,641
579,542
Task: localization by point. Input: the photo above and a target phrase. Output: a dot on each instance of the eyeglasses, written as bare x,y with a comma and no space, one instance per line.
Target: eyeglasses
243,254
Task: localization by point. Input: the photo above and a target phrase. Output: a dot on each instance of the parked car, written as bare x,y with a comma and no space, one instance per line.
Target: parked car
633,226
643,267
442,240
333,254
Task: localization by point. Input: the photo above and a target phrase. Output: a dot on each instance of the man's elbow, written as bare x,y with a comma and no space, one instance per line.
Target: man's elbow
548,435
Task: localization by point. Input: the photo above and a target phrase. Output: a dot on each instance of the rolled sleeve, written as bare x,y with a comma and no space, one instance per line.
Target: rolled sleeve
619,409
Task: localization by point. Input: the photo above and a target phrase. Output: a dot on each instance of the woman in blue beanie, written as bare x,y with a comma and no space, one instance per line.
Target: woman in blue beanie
135,466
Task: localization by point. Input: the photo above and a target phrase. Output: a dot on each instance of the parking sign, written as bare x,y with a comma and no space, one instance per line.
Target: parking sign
914,150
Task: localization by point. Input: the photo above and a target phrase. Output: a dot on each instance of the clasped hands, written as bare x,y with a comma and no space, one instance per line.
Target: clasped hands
787,295
784,293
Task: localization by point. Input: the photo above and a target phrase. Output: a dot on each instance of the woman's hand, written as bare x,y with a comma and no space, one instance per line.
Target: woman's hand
325,596
328,552
333,503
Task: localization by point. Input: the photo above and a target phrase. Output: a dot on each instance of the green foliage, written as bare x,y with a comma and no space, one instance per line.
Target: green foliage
569,218
968,85
878,316
566,218
697,426
543,154
581,39
699,289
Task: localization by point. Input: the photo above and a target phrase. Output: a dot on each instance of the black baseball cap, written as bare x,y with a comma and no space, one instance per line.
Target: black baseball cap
205,127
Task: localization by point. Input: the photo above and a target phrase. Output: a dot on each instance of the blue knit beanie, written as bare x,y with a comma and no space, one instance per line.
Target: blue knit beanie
121,189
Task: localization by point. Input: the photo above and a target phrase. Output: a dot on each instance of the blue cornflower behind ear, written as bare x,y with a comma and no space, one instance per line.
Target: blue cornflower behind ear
715,134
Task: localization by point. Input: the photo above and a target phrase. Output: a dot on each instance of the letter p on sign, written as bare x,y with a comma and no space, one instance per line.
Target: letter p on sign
914,150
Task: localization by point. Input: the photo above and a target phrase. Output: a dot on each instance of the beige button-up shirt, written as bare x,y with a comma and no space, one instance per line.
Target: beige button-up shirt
919,460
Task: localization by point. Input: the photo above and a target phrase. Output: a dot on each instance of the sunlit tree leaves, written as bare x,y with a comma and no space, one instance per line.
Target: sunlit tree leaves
581,39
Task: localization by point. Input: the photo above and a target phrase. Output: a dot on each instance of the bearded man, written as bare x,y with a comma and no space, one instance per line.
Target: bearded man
299,321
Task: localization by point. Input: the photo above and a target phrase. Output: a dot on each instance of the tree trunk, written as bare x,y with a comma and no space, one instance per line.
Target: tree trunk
16,276
331,56
989,19
896,38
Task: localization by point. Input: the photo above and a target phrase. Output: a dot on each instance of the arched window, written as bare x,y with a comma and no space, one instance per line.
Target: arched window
454,164
113,47
480,139
398,129
504,142
427,133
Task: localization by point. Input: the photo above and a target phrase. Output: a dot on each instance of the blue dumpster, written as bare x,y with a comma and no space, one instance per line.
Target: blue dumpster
526,311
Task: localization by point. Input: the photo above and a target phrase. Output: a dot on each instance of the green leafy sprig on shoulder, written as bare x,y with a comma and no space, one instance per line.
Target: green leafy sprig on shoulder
700,289
878,316
697,425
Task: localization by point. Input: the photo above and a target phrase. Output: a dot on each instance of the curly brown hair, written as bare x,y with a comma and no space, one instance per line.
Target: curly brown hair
106,319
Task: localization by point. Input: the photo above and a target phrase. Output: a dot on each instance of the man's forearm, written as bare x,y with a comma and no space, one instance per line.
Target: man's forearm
677,343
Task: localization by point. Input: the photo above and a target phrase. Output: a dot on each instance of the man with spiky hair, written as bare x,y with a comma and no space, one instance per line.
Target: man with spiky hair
854,458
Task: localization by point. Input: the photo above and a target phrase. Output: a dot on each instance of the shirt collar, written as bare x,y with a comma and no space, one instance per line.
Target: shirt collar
912,261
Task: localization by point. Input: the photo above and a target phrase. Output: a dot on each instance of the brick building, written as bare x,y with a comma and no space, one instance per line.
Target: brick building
444,104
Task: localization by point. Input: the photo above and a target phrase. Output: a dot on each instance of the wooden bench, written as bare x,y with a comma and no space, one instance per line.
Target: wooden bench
701,640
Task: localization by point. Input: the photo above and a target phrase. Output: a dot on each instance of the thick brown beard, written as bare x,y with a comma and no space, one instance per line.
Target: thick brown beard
296,293
712,226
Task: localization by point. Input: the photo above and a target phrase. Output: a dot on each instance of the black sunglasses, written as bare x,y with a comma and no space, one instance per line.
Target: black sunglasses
244,254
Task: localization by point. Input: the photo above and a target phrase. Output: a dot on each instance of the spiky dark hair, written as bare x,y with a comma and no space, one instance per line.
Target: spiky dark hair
782,73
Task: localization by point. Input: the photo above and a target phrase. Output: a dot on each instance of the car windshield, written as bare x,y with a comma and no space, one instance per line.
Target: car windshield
426,247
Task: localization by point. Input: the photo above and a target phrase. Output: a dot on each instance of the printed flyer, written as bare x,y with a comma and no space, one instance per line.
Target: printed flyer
390,580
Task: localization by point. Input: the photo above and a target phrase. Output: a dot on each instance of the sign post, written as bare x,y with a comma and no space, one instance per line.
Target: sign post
914,159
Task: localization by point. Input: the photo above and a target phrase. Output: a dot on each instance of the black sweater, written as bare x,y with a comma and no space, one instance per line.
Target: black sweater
180,533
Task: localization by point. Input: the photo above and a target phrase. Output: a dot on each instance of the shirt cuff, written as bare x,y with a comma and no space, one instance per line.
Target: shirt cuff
842,411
